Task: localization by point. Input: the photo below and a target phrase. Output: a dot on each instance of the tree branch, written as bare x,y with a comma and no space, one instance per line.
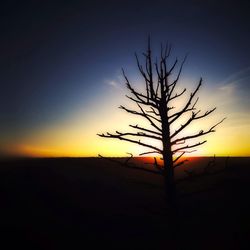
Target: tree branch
117,136
177,115
156,165
201,133
152,111
187,147
177,95
144,129
140,134
180,163
177,158
140,114
192,118
173,84
142,102
126,165
148,118
149,152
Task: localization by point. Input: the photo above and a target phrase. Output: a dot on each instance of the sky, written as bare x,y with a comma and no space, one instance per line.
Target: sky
61,80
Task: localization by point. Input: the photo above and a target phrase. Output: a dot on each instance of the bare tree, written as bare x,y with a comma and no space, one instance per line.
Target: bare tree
155,105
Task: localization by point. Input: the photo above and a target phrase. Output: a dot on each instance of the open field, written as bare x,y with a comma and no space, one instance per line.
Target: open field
75,202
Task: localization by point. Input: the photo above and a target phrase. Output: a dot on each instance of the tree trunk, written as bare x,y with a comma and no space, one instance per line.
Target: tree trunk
170,189
169,182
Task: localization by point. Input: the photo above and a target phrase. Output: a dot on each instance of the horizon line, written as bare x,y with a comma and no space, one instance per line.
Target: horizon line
97,157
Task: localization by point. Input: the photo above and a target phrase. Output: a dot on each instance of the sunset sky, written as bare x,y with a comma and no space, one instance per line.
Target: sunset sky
61,80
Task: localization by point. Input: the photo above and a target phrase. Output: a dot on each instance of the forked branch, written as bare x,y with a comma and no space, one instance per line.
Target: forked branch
130,165
120,137
201,133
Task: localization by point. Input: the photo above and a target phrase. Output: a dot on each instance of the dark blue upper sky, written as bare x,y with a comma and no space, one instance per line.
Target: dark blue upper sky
55,55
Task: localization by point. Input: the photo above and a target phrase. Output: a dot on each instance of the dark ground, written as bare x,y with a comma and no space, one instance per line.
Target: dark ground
92,203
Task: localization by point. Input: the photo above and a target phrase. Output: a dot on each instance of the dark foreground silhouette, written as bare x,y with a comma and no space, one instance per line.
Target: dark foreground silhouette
91,203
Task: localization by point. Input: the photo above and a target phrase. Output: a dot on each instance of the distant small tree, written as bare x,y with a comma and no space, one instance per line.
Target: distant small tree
155,105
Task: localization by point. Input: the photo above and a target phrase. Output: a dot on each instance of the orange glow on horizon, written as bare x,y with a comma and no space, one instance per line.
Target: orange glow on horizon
76,135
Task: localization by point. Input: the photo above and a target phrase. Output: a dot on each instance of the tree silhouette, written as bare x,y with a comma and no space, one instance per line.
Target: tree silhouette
155,105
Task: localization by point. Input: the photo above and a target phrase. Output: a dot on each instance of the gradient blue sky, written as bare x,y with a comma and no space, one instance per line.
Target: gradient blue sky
61,65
